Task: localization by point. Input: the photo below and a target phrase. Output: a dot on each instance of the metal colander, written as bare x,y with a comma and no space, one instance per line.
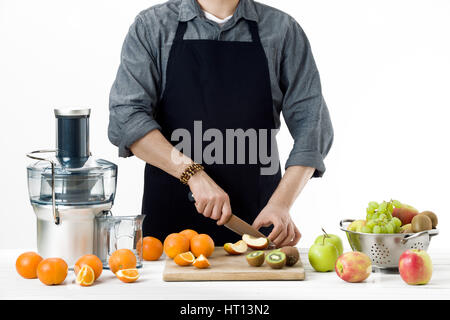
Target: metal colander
385,249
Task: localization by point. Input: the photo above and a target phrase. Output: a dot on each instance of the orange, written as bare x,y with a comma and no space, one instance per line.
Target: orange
26,264
174,244
189,233
85,276
201,262
152,249
122,259
92,261
52,271
128,275
202,244
184,259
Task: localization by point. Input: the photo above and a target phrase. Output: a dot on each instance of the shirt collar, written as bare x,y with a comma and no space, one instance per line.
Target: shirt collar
189,9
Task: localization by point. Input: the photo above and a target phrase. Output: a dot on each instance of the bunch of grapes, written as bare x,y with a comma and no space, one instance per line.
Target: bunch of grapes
379,217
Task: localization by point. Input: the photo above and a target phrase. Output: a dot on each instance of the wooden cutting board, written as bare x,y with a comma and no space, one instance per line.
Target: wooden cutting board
225,267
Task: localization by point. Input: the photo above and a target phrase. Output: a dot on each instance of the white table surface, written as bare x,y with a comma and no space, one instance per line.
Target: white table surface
151,286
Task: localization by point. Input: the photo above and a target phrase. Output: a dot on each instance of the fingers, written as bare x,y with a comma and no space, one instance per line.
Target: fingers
290,235
208,209
217,210
261,222
226,213
215,206
200,206
279,231
297,236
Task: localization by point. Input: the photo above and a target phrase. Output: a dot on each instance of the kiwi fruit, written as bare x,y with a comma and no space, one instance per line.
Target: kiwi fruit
276,259
421,222
292,255
255,258
432,216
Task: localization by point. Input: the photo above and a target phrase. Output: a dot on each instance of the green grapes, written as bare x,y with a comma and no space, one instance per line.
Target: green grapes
379,217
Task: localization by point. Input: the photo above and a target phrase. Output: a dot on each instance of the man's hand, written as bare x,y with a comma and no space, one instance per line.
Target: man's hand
285,232
210,199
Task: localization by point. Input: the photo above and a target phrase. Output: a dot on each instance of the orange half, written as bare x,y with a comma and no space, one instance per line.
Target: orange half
86,276
201,262
184,259
128,275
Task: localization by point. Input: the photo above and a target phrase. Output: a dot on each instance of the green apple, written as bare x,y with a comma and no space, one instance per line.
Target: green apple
333,239
322,256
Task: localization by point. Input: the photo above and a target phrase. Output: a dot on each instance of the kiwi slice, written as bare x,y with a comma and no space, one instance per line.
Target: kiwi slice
276,259
292,255
421,222
256,258
432,216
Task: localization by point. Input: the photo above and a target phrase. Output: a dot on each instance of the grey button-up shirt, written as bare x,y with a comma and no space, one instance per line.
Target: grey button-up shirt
295,82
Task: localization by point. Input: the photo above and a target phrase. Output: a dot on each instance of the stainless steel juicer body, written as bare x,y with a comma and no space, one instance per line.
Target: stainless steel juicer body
69,190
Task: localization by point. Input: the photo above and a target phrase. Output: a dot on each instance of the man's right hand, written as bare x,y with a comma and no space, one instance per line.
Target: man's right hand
210,199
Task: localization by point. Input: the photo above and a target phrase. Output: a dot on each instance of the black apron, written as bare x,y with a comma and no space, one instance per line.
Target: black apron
225,85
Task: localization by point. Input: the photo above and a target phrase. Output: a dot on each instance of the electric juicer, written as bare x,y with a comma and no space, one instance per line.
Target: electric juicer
69,190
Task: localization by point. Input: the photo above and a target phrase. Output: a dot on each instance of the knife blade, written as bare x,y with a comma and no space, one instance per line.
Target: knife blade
239,226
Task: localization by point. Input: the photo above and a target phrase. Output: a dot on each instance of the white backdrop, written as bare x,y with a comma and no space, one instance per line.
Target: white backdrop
385,69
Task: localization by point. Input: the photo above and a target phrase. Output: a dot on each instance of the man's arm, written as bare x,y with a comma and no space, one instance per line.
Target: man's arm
307,118
210,199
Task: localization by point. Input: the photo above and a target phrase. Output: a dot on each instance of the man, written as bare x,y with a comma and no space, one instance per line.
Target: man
221,70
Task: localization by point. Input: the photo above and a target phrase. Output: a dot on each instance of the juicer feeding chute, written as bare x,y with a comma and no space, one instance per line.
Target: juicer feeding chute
67,191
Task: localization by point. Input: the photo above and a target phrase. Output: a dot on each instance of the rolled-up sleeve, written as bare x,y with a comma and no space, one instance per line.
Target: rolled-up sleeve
304,108
135,91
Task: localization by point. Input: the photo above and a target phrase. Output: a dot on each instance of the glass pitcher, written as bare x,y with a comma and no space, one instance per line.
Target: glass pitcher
118,232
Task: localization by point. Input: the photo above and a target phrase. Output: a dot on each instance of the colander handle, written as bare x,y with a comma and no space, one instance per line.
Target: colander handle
431,233
341,223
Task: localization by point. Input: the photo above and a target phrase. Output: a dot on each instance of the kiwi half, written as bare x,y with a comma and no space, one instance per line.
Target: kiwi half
276,259
255,258
292,255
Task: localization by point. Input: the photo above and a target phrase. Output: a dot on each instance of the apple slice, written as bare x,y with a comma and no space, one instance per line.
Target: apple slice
255,243
239,247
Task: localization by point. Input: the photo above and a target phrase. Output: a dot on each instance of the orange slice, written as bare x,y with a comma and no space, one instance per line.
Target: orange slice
201,262
127,275
86,276
184,259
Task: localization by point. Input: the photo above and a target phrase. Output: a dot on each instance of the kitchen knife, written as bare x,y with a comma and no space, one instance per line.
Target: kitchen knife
239,226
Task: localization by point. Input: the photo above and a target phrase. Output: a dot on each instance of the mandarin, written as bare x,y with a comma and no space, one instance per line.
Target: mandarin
152,249
52,271
128,275
202,244
85,276
184,259
174,244
92,261
122,259
189,233
201,262
26,264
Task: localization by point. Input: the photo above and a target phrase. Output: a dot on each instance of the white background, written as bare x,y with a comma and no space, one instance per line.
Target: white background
385,69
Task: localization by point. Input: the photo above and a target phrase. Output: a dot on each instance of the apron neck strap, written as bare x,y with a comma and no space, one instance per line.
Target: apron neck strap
181,29
252,26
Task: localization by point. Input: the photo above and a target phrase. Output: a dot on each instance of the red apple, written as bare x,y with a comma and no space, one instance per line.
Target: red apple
405,214
239,247
353,266
256,243
415,266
